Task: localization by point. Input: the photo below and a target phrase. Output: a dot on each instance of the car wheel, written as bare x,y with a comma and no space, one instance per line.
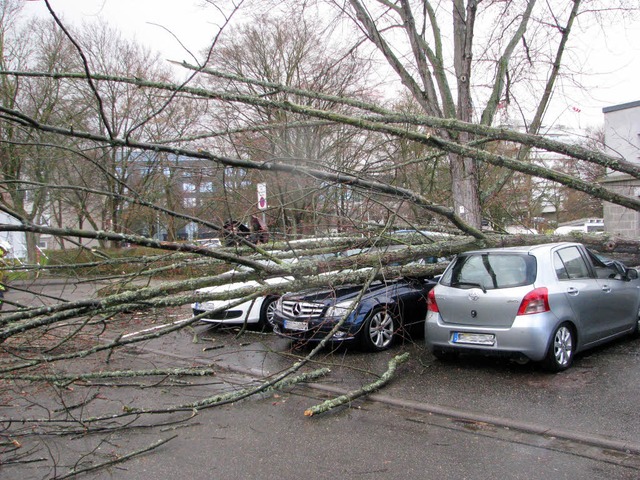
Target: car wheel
266,314
636,331
561,349
378,330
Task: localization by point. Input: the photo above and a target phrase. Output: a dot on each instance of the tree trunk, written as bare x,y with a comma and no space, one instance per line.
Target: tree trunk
465,190
464,179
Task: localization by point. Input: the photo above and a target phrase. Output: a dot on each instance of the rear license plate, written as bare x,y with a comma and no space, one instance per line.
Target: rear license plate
474,338
291,325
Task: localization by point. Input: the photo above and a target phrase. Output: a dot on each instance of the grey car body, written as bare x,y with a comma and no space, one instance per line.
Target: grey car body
543,302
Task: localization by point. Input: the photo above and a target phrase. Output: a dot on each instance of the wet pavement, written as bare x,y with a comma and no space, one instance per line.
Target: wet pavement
596,395
432,420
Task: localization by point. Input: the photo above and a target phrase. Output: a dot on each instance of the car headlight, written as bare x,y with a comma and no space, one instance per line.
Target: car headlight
340,309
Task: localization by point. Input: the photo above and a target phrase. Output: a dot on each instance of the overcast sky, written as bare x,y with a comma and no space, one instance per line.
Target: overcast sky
146,20
611,68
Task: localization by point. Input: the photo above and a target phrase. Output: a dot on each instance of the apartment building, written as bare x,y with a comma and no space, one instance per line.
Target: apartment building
622,139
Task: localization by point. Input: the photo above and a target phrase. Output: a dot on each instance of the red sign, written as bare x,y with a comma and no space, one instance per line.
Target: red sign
262,196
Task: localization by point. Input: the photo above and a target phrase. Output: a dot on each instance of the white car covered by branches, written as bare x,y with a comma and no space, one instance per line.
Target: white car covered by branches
257,311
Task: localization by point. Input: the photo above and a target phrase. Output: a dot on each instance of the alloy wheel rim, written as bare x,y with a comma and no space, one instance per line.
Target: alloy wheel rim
381,329
563,346
269,314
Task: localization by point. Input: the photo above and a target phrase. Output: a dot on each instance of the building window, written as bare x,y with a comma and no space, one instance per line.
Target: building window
206,187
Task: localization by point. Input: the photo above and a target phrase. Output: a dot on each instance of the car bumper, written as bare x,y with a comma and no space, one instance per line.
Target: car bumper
243,313
529,335
311,336
316,330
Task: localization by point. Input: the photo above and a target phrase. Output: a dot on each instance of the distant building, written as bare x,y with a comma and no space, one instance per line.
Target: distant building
584,225
16,240
622,139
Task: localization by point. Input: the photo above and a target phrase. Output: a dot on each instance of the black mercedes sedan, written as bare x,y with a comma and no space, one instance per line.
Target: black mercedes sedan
373,319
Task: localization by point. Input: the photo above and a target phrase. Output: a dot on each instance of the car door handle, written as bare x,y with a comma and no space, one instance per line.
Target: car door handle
606,288
573,291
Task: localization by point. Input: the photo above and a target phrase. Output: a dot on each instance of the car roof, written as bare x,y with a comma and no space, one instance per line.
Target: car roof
528,249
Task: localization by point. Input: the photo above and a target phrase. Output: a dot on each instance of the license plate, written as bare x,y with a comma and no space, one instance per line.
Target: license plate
291,325
474,338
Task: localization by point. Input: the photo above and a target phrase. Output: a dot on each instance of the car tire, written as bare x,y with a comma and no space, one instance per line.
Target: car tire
561,349
378,330
267,309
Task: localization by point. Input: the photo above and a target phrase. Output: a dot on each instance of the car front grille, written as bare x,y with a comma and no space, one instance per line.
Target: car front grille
302,310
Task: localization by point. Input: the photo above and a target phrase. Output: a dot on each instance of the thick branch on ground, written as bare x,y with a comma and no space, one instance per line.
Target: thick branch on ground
367,389
283,380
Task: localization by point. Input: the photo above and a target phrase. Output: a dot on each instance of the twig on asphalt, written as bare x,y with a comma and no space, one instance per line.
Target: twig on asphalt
124,458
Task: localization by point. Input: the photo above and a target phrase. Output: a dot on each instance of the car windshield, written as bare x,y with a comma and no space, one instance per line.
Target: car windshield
490,271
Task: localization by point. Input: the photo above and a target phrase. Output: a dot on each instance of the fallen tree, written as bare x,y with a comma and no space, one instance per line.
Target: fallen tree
108,165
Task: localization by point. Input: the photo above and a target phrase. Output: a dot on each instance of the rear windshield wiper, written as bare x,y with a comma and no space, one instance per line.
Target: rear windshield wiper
469,284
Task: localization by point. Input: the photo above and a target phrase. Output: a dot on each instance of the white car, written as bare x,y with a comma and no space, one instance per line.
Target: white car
258,311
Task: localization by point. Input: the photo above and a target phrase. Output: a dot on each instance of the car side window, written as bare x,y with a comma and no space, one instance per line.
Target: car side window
607,272
569,264
604,270
558,265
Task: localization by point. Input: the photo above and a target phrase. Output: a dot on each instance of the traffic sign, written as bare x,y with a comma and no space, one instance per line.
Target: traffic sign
262,196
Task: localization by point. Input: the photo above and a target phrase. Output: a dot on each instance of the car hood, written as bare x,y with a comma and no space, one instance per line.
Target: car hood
329,296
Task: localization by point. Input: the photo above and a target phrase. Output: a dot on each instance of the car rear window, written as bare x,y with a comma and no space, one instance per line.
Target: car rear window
490,271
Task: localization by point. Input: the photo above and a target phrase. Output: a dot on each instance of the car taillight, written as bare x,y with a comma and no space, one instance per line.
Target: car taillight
432,306
536,301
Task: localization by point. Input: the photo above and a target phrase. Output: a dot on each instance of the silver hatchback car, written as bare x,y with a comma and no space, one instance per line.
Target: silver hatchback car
542,303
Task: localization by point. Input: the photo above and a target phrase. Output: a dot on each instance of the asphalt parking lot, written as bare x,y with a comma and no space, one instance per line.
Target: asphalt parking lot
473,418
596,395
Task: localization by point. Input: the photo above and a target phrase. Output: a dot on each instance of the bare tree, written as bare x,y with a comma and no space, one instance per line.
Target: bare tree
285,53
27,154
470,60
